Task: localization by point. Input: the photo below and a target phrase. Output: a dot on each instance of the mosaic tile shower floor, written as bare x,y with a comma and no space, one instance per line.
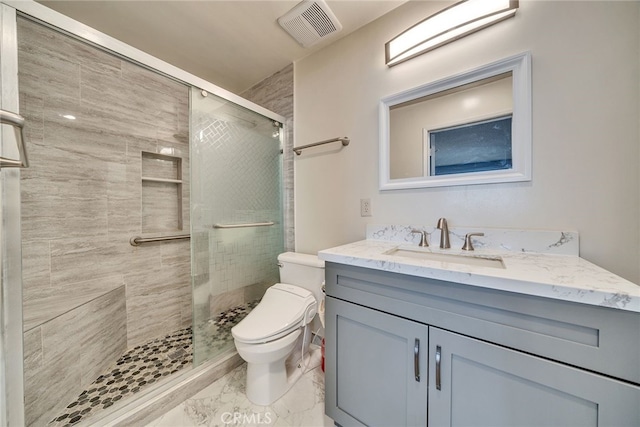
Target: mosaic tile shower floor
145,365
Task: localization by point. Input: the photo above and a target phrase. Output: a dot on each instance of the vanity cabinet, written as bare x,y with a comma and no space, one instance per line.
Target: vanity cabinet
404,350
380,366
481,384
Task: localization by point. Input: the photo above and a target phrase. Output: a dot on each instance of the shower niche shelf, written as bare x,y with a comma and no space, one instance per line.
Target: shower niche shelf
161,193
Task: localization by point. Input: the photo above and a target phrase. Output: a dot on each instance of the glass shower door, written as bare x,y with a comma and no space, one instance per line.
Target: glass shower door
236,216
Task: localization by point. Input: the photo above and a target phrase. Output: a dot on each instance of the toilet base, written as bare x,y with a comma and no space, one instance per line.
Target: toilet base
266,382
269,391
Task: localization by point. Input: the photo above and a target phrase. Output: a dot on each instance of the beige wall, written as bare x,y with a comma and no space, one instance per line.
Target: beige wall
585,130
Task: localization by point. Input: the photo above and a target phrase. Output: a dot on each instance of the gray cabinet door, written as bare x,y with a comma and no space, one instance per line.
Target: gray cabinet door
481,384
376,367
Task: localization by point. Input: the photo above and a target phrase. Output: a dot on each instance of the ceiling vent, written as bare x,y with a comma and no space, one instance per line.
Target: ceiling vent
309,22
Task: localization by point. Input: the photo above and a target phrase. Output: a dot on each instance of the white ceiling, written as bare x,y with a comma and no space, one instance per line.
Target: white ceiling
231,43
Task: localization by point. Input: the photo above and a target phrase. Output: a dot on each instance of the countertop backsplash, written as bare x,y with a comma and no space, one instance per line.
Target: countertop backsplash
502,239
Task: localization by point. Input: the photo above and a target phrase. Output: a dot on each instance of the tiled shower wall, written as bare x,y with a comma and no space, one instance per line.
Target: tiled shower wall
275,93
82,200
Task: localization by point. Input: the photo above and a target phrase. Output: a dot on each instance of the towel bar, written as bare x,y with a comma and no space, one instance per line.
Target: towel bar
344,140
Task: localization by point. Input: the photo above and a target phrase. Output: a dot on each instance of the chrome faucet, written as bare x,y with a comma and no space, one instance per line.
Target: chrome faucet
444,233
423,237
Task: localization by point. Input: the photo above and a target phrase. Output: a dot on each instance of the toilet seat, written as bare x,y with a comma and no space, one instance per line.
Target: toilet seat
283,309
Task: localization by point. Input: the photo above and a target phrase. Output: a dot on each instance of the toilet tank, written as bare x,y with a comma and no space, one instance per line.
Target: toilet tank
306,271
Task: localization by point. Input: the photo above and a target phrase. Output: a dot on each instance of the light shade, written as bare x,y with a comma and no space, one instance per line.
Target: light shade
450,24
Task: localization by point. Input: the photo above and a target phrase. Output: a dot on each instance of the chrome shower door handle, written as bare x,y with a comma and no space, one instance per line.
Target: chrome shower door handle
245,225
416,359
17,121
438,363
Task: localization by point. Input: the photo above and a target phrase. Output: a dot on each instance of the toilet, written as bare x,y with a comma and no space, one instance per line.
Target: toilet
269,334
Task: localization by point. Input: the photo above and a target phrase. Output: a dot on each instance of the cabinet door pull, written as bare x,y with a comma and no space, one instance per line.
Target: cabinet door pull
416,359
438,358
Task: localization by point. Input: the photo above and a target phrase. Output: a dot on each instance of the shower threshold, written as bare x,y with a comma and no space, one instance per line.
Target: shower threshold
144,366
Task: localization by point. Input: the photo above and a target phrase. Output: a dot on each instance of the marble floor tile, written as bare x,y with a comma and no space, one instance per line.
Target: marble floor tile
224,403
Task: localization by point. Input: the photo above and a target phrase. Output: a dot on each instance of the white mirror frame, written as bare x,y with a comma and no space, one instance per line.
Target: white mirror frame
520,67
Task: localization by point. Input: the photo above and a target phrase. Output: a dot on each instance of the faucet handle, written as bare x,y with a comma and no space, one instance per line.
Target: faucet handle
423,237
468,244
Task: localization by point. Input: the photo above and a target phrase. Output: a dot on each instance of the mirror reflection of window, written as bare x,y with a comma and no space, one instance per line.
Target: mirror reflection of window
471,104
471,147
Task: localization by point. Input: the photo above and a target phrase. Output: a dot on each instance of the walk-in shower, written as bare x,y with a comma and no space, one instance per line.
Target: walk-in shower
123,160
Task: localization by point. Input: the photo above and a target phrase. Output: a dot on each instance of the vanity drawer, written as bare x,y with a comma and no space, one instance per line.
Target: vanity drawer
601,339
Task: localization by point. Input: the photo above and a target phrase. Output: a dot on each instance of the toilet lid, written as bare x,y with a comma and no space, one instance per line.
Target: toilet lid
280,311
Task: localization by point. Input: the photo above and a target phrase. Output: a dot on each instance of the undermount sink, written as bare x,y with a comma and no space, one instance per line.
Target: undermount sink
474,260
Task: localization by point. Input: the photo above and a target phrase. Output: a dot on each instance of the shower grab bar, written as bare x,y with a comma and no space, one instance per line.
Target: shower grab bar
17,121
137,240
249,224
344,140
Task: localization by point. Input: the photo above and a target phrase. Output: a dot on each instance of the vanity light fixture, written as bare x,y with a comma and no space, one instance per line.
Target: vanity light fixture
449,24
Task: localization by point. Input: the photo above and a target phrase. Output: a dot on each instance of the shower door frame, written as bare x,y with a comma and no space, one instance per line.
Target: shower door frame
11,334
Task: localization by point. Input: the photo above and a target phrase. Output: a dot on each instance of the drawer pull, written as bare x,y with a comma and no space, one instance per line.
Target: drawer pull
416,359
438,358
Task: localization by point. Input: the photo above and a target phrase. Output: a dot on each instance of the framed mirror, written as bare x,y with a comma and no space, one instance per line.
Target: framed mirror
471,128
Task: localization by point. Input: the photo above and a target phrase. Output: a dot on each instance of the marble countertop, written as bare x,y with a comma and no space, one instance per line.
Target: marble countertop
552,275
